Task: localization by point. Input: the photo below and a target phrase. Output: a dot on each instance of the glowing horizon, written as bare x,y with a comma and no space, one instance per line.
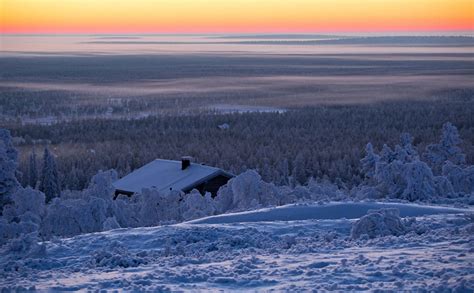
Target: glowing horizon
234,16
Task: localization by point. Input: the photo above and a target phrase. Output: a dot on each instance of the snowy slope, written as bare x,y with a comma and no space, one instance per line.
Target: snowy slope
335,210
258,250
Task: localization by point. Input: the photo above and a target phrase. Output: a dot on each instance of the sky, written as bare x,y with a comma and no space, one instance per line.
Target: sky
234,16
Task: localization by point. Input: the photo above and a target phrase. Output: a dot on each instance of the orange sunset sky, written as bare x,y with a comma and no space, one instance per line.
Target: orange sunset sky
246,16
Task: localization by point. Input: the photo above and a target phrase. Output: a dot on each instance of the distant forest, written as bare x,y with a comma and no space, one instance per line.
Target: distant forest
286,148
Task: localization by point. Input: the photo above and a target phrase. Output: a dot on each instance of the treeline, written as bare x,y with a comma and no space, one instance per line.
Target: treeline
439,175
20,106
23,105
286,148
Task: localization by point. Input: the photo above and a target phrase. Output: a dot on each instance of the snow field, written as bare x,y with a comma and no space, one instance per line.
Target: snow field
434,252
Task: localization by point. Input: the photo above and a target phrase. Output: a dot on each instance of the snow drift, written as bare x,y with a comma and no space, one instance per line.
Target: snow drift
326,211
377,223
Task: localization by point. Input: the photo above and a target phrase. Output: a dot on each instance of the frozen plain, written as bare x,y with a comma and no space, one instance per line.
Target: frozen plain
265,250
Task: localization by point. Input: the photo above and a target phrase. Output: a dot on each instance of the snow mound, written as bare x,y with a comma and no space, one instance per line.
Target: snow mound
329,211
377,223
116,256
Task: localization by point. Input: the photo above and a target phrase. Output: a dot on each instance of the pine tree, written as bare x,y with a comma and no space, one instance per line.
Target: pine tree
49,177
32,170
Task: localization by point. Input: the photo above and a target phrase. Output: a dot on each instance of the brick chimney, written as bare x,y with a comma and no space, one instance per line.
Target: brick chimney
185,162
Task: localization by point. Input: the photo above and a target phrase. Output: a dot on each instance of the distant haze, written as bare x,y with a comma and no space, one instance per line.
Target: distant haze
234,44
276,70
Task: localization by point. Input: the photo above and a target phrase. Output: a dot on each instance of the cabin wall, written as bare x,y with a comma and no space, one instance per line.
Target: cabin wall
118,192
212,185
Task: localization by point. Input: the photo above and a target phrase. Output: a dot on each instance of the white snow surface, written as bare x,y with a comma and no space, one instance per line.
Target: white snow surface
226,108
290,248
332,210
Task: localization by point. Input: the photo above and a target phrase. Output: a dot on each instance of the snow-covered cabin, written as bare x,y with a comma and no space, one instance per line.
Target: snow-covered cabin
167,175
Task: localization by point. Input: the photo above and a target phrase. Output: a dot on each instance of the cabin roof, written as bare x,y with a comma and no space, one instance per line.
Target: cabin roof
166,175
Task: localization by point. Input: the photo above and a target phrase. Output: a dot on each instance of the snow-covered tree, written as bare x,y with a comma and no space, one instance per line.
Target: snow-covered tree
299,172
49,177
28,200
156,207
324,190
110,223
9,149
369,162
266,171
245,191
32,170
126,211
400,174
405,151
406,180
389,178
74,216
284,172
462,179
23,215
8,166
101,185
387,155
418,182
446,150
72,178
196,205
90,210
443,187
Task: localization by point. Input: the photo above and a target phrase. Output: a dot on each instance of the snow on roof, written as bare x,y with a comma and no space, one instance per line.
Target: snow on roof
166,175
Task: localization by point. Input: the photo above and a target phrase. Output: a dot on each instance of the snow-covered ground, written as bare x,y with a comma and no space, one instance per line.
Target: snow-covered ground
226,108
293,248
